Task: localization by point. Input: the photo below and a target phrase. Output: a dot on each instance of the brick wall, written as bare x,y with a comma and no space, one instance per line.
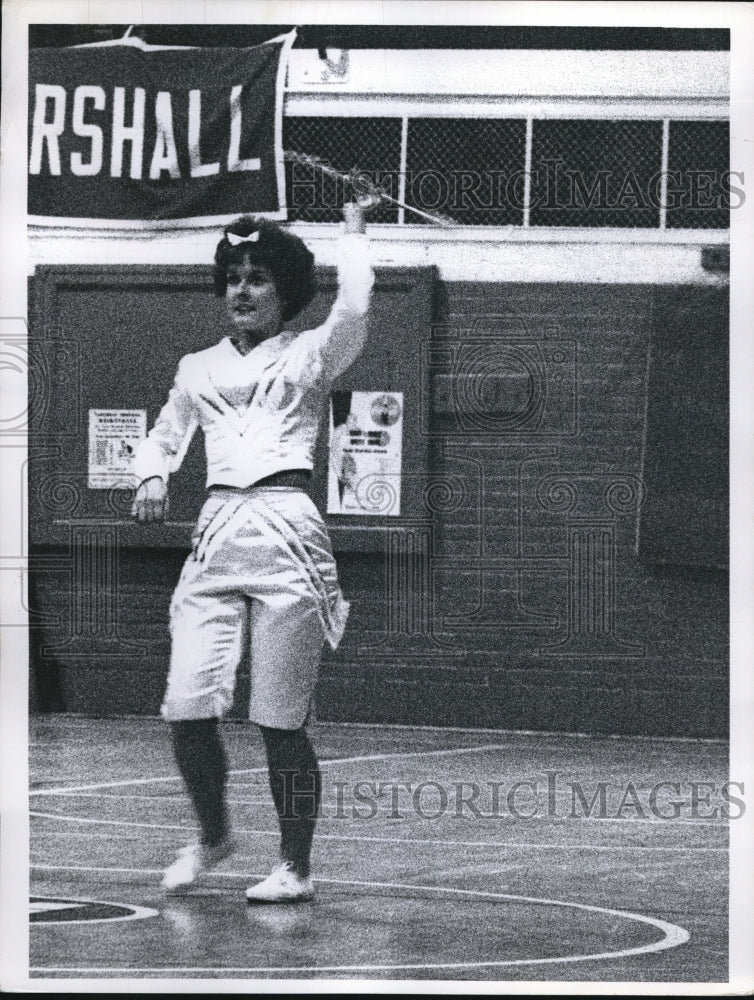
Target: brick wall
543,616
517,600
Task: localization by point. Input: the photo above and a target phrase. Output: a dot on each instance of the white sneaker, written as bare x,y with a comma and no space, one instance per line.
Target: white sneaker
193,860
282,885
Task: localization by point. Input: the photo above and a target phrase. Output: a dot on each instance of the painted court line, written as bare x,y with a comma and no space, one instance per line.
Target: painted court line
84,722
137,913
385,808
394,840
404,796
91,836
672,934
263,770
111,822
169,798
536,733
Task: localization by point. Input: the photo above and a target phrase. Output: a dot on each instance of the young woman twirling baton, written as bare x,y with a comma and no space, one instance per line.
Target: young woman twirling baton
260,579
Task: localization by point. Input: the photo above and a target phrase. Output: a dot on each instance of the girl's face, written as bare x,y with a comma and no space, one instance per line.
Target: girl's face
252,300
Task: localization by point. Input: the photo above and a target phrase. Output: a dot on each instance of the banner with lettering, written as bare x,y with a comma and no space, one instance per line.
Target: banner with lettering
131,135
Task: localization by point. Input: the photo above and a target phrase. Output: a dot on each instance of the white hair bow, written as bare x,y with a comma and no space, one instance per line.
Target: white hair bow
235,240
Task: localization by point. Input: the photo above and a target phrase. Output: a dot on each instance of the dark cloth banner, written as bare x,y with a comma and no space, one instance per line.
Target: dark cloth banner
144,136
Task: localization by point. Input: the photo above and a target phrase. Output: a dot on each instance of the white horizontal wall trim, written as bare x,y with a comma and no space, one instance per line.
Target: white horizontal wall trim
611,256
536,234
543,73
342,105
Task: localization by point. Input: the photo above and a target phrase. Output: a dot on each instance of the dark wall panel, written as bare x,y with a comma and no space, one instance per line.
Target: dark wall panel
685,517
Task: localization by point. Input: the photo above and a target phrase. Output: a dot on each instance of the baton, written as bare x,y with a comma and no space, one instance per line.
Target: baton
369,193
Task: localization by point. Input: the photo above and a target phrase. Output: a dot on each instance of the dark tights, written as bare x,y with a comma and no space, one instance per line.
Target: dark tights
296,786
295,783
200,756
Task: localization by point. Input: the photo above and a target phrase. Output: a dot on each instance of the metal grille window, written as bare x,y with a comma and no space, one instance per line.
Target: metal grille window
699,194
596,173
373,145
471,170
585,173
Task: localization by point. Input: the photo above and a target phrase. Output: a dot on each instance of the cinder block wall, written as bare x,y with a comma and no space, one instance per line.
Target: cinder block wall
519,599
542,541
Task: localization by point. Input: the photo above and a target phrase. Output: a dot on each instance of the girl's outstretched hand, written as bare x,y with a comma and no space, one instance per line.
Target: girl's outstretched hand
353,214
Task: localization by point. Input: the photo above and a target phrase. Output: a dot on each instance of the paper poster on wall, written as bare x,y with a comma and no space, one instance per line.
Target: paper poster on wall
113,437
366,433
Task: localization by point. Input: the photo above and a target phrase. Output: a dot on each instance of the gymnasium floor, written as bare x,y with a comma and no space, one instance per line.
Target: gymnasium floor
486,881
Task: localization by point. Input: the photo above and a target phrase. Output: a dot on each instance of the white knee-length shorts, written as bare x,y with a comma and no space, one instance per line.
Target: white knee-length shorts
261,582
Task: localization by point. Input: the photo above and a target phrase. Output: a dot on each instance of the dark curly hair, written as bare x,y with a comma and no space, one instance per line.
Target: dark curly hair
290,261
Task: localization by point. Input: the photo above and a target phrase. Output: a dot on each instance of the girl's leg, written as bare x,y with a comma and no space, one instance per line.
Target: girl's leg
207,629
296,785
201,759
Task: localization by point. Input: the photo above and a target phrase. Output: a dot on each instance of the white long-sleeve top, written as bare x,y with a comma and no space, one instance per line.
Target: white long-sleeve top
260,412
